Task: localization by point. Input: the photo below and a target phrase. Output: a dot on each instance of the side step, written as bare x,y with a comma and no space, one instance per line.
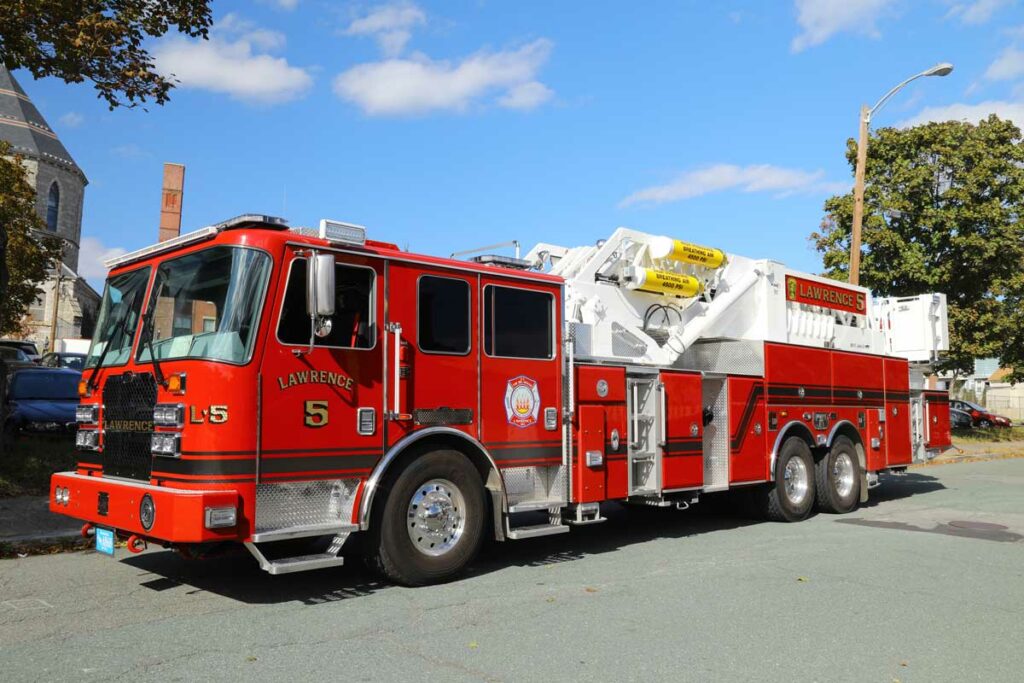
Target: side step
521,532
301,563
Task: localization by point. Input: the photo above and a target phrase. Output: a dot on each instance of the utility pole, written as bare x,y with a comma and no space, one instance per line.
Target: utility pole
858,195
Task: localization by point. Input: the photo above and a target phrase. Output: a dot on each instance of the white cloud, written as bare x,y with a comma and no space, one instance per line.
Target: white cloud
129,151
972,113
977,12
1008,66
821,19
91,255
72,119
420,84
526,96
721,177
390,24
233,61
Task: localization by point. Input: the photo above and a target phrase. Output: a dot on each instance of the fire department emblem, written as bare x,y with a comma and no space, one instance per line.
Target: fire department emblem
522,401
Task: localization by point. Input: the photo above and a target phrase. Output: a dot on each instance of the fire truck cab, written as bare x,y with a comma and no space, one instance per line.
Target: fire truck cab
291,388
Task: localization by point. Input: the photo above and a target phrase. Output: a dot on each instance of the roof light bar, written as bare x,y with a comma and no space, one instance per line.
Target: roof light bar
181,240
339,231
254,219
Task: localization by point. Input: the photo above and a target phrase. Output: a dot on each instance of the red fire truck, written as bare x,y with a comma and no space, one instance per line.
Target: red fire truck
250,383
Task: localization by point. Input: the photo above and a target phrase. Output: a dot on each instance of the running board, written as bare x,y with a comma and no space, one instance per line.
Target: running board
535,531
331,529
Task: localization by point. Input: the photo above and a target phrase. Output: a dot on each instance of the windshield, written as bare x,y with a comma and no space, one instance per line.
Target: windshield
118,318
43,385
207,304
74,362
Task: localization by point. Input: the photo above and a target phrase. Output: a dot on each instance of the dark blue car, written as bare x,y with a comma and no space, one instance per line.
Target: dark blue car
42,400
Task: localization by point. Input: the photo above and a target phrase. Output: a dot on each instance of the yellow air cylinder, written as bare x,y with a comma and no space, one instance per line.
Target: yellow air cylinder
663,282
666,247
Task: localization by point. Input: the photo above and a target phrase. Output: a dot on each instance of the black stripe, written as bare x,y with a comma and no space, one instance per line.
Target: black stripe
756,392
324,462
897,396
528,453
233,480
175,466
516,444
681,447
794,392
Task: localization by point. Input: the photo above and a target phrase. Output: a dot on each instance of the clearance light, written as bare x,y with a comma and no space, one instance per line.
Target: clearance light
87,414
176,383
87,440
220,518
83,389
167,444
339,231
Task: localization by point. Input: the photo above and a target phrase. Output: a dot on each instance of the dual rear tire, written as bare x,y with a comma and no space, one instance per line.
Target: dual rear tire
832,483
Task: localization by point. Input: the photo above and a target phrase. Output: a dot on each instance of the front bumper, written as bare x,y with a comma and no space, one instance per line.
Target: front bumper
180,514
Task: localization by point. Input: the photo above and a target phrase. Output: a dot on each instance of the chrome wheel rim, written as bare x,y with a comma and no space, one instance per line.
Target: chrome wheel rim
842,474
796,480
436,517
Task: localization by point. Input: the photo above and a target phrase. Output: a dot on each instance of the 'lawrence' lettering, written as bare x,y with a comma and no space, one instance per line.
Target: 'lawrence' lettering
316,377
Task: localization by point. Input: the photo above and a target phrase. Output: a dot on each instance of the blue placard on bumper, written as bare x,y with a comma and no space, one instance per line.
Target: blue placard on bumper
105,541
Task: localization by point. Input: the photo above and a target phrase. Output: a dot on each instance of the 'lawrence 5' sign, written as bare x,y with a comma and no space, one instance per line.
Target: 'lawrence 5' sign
818,294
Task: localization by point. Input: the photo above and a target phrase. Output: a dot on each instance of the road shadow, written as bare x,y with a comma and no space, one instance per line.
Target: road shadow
237,576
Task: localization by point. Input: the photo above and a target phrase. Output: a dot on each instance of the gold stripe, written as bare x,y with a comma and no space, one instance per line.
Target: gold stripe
22,124
17,94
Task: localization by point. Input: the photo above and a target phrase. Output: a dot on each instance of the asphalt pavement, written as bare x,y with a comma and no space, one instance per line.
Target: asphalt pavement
925,583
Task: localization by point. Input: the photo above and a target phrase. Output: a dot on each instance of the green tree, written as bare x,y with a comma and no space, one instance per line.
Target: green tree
98,40
26,251
943,212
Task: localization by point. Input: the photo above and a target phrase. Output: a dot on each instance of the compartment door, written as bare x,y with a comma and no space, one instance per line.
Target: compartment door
898,445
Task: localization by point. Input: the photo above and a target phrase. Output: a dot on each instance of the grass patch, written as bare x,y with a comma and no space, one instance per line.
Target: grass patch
27,462
988,435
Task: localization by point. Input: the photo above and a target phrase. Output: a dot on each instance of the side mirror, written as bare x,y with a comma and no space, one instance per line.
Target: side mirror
320,285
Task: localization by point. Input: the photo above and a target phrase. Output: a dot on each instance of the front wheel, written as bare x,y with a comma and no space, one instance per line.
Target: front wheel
433,519
837,478
791,496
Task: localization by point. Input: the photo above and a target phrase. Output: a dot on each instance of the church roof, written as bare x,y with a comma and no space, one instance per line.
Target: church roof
24,127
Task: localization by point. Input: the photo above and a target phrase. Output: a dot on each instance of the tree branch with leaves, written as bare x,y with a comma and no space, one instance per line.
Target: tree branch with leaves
943,211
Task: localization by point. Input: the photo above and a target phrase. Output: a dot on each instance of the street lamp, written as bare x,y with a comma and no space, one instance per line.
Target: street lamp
943,69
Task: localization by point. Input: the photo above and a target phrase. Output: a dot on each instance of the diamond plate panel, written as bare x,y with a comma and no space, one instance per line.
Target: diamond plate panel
716,436
304,503
739,357
528,484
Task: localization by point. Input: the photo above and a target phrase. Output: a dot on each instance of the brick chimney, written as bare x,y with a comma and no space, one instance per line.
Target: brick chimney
170,201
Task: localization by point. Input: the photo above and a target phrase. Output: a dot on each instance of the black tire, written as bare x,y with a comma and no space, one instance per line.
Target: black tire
776,501
406,561
984,424
837,478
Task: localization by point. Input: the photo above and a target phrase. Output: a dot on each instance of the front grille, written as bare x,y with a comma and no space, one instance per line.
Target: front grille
128,402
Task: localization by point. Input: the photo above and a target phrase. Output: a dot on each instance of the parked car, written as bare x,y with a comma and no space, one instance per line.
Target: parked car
64,359
29,348
980,416
958,419
15,358
42,400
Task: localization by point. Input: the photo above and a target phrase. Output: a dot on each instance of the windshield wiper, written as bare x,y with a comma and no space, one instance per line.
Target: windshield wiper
119,332
147,336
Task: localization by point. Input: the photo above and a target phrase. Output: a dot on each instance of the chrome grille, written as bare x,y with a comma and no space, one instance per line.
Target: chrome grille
128,401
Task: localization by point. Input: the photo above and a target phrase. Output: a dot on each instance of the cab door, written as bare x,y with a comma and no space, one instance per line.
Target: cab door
321,408
432,353
521,374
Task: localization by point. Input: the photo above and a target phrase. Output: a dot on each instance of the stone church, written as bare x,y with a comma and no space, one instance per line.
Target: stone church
60,189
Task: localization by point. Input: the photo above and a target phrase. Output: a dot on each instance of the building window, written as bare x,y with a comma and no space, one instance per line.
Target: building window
53,207
443,315
518,323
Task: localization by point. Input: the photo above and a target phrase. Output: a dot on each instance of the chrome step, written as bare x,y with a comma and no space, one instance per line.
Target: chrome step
519,533
331,529
301,563
529,505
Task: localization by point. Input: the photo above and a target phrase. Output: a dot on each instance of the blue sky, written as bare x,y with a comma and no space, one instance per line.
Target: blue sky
444,126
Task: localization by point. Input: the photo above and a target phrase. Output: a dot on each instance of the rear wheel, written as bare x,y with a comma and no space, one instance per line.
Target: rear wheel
432,522
837,478
791,496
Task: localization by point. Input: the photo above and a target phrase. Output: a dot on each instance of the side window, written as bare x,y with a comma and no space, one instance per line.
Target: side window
518,323
352,325
442,306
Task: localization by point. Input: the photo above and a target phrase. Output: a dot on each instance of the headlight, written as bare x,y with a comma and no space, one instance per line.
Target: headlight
62,495
147,512
87,440
87,414
166,444
169,415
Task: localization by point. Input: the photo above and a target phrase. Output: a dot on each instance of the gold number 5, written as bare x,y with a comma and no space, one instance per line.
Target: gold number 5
316,413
